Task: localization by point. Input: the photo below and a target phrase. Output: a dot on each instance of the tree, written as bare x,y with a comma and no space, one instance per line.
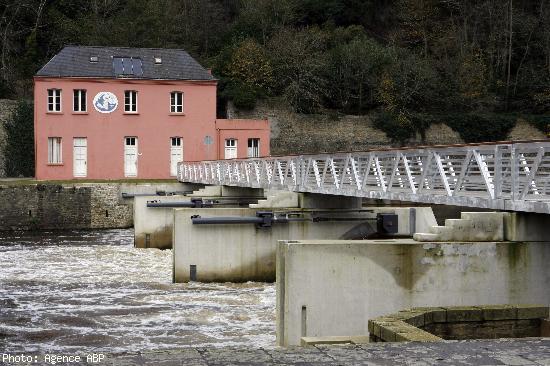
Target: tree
250,65
299,57
248,75
354,73
19,150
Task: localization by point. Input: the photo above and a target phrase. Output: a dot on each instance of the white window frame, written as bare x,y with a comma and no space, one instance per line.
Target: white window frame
54,100
81,96
55,150
132,96
253,151
176,106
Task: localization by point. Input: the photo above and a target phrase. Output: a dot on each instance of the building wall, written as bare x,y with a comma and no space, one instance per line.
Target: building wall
154,125
242,130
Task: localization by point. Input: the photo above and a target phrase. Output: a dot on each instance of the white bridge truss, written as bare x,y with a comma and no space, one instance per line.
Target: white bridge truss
505,176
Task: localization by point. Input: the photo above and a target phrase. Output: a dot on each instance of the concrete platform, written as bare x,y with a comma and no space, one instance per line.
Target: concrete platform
508,352
332,288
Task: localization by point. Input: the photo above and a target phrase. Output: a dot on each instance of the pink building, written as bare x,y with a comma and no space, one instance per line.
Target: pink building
115,113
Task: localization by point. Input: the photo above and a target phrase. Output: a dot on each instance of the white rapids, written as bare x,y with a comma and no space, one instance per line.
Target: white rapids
93,291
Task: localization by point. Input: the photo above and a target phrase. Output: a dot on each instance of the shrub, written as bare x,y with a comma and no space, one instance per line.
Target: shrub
398,128
481,127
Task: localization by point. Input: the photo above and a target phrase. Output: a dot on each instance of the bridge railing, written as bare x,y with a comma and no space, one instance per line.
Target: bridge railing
508,176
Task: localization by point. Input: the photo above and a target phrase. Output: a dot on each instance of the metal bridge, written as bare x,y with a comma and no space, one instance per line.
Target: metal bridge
512,176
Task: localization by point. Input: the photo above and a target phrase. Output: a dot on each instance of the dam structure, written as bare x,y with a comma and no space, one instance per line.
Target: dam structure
351,236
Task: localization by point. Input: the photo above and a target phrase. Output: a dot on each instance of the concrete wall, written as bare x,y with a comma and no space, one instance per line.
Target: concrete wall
331,288
153,226
238,253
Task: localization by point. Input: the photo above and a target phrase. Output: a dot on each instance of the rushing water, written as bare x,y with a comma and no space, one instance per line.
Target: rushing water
92,291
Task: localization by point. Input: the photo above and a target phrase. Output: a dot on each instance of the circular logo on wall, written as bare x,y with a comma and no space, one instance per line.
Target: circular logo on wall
105,102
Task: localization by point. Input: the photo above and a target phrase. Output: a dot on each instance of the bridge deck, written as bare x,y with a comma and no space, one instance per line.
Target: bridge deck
511,176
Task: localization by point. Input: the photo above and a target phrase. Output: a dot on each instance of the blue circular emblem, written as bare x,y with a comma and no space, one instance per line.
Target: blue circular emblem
105,102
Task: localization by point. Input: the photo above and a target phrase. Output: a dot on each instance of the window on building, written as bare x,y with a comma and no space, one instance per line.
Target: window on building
176,102
253,148
127,66
54,100
54,150
79,100
176,141
130,101
230,149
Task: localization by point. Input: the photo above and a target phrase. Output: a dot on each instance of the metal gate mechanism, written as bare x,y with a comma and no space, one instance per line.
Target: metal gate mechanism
386,223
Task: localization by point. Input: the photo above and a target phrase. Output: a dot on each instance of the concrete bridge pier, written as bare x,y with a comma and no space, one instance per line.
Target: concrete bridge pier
332,287
153,225
246,252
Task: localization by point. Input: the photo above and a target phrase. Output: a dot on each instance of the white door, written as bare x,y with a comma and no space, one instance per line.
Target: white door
176,155
130,156
80,157
231,149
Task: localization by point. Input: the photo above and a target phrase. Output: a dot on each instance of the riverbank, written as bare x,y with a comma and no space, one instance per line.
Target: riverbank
27,204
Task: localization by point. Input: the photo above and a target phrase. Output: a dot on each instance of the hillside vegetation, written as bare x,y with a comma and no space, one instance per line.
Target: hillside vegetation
477,65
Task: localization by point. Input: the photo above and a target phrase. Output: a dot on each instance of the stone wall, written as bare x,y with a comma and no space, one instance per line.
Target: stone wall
54,206
7,106
107,208
293,133
460,323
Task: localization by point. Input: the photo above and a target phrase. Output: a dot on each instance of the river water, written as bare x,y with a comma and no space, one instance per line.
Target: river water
93,291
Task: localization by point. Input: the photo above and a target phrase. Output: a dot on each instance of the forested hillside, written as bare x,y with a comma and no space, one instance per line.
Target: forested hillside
477,65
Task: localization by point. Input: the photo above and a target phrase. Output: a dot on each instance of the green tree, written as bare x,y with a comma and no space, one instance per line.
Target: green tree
354,73
250,65
248,75
19,150
299,59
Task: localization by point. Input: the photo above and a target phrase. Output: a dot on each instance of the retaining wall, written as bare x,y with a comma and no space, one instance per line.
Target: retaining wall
70,206
460,323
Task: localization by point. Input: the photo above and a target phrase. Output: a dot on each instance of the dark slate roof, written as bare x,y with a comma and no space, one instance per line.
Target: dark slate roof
74,61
